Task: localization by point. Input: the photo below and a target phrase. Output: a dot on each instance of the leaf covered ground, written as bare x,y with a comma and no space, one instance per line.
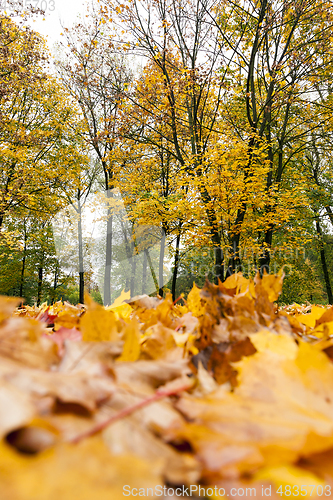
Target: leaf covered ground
223,391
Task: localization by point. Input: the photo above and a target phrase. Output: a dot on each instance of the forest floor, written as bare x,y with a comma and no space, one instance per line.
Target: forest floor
226,395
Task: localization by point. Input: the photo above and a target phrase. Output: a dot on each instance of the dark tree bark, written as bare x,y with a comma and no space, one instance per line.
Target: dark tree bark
55,283
329,213
39,285
324,263
265,258
23,259
161,261
175,268
80,238
219,267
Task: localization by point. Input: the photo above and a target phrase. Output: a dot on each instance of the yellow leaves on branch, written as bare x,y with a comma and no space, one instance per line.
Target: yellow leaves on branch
40,147
244,387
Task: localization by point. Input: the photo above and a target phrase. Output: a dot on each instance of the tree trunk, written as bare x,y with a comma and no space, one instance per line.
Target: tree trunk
329,213
23,260
151,267
133,269
55,283
81,288
40,284
265,258
144,273
324,264
160,274
175,268
219,267
108,256
81,268
130,247
215,234
234,263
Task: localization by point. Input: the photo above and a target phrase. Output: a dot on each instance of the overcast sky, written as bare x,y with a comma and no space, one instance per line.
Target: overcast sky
56,12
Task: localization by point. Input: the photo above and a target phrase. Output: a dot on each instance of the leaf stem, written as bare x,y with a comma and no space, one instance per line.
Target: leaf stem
159,394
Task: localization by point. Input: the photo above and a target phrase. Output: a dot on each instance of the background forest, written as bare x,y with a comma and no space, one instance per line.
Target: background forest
164,142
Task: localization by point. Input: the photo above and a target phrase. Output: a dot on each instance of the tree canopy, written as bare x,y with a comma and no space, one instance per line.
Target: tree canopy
212,119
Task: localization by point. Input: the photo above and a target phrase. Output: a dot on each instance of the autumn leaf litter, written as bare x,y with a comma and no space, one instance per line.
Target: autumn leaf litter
225,389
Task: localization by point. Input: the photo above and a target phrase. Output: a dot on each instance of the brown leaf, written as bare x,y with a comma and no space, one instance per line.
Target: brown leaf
159,343
16,410
150,373
21,340
79,388
130,437
93,358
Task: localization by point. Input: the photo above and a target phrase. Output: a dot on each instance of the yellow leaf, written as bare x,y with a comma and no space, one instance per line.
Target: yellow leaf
273,285
194,302
237,281
283,345
68,316
84,471
131,351
159,342
311,318
98,324
323,330
119,300
327,316
120,309
291,476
